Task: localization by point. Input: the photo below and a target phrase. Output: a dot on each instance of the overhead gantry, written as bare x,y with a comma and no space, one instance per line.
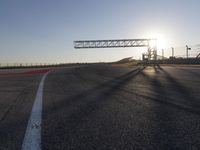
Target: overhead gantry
149,43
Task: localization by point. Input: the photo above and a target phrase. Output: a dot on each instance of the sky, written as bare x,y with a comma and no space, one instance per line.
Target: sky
43,31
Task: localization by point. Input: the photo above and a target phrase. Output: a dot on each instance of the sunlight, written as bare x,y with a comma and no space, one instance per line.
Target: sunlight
161,40
161,43
153,43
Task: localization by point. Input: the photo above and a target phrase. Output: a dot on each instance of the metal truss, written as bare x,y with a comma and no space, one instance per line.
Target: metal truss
112,43
151,53
198,56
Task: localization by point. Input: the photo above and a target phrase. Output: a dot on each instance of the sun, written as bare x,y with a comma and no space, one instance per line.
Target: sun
153,43
160,43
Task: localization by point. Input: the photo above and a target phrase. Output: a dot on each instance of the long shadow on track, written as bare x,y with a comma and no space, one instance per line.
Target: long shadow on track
175,85
171,128
88,102
103,91
91,99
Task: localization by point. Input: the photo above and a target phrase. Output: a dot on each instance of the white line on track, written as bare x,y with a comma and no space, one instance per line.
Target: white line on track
32,139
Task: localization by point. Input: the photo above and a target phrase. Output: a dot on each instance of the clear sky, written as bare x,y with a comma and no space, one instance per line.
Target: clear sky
44,30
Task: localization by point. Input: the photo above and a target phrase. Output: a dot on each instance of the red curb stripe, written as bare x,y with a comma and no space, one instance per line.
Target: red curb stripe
32,72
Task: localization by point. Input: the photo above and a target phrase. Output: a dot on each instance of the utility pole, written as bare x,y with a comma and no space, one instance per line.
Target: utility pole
172,52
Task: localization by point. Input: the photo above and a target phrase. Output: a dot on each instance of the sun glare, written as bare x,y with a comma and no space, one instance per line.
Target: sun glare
160,43
153,43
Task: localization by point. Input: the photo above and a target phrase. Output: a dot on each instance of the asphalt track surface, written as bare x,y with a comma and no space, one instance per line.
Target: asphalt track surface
104,107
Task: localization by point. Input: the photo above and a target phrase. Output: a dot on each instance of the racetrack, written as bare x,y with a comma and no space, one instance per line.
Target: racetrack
103,106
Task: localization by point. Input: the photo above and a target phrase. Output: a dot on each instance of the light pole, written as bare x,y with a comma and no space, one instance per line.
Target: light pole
172,52
187,48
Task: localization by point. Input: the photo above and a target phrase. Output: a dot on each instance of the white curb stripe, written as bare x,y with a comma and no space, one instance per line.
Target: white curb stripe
32,139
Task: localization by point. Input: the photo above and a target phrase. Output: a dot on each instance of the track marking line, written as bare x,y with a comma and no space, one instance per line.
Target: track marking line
32,139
